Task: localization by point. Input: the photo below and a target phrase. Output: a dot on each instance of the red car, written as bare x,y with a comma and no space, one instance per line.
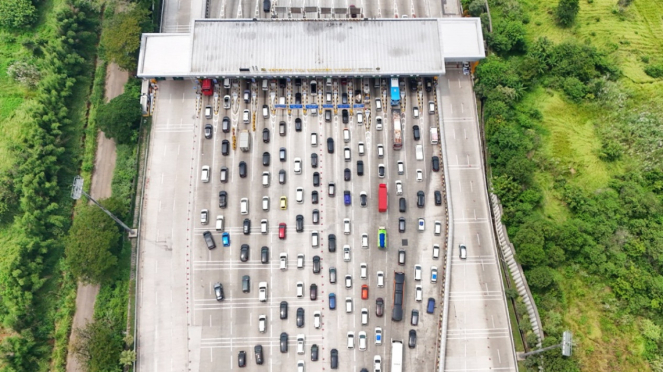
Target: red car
282,227
364,292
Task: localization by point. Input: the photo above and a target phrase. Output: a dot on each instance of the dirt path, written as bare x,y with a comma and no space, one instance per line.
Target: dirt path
102,177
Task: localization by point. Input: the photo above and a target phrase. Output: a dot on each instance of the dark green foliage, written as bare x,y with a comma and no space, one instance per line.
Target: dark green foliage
566,12
17,14
507,37
540,277
120,117
477,7
99,344
574,88
655,70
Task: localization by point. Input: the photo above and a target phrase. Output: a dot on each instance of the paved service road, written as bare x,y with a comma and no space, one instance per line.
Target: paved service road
178,272
479,336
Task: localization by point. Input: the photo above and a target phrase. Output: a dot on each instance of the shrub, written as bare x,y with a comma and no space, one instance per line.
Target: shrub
24,73
17,14
540,277
566,12
507,36
574,88
655,71
477,7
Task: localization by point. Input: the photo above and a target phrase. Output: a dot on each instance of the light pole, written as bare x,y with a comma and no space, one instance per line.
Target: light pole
566,345
77,191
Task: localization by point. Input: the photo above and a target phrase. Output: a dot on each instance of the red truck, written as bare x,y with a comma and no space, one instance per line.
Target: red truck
208,88
382,198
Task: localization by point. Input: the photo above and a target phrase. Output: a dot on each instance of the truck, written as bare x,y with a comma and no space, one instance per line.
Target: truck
395,92
399,293
398,138
382,197
244,141
382,237
433,136
207,87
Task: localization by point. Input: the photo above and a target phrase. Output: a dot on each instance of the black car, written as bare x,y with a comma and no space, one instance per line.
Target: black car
284,309
218,291
416,132
282,154
330,145
379,307
225,124
332,242
298,82
282,83
284,342
223,199
360,167
298,98
241,358
266,6
334,359
436,163
225,147
344,98
347,174
438,197
345,116
257,350
300,317
421,200
264,255
428,83
401,257
314,353
266,158
246,226
412,339
314,87
316,264
363,199
282,176
299,223
314,160
208,131
401,205
246,284
413,84
314,292
242,169
314,197
316,179
401,224
316,216
244,251
265,135
298,125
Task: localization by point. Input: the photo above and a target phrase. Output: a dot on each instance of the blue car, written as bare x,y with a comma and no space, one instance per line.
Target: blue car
431,305
225,237
346,197
332,301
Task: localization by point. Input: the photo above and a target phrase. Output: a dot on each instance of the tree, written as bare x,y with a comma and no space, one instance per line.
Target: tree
16,14
99,344
121,38
90,243
540,277
507,36
477,7
566,12
119,118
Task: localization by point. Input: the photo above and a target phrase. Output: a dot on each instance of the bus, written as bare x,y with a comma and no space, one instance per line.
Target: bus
396,355
398,130
395,92
399,292
382,237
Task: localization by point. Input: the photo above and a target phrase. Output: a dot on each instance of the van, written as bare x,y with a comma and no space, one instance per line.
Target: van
438,227
300,344
262,291
208,112
351,340
348,304
346,135
419,152
281,100
433,136
265,179
283,259
219,223
264,226
315,239
265,84
314,139
376,82
378,104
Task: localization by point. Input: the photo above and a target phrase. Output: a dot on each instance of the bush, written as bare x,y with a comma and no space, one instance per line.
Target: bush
17,14
540,277
655,71
121,38
477,7
574,88
120,117
507,36
566,12
24,73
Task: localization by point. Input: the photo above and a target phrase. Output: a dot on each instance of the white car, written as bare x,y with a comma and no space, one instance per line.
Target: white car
364,240
262,323
378,336
351,340
377,364
332,189
204,216
422,224
380,279
399,188
417,272
299,195
380,151
363,270
438,228
364,316
433,274
226,102
205,174
362,341
418,293
346,226
265,203
300,343
283,260
360,118
317,322
346,253
298,166
415,112
378,123
436,251
361,149
244,205
300,289
401,167
348,281
420,175
300,261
